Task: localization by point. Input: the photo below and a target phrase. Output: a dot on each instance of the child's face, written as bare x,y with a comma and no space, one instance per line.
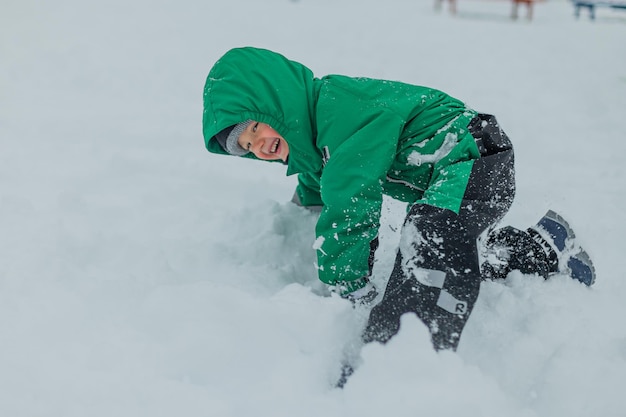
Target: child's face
264,142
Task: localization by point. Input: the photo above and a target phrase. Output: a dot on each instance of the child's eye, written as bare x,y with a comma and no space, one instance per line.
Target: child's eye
248,146
256,125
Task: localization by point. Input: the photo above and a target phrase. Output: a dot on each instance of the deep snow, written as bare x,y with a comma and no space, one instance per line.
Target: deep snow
142,276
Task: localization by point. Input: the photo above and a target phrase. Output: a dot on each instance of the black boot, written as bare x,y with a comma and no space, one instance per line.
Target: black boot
510,249
547,248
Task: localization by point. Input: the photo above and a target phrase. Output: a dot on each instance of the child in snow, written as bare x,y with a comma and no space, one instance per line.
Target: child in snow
351,140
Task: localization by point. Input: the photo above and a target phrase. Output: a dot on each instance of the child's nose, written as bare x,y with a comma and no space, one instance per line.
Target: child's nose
256,145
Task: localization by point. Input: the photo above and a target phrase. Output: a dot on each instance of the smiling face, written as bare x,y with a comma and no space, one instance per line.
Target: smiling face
264,142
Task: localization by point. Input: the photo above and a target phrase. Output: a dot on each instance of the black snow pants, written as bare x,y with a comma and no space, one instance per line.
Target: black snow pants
437,273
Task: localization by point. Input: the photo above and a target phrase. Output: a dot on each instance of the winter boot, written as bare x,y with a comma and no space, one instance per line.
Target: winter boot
573,260
545,249
510,249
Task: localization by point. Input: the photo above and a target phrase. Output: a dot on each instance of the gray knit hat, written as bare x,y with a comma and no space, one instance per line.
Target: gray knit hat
228,138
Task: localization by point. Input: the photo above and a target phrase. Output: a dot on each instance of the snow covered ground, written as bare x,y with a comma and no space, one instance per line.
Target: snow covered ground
142,276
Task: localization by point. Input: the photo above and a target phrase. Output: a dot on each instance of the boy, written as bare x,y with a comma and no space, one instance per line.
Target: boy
351,140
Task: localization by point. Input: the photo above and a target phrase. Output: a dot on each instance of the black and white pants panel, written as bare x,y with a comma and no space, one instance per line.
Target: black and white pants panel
437,273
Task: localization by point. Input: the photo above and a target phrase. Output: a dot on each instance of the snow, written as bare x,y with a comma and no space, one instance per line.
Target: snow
142,276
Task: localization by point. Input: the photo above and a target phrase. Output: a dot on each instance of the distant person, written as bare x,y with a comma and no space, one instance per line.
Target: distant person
353,140
451,3
529,8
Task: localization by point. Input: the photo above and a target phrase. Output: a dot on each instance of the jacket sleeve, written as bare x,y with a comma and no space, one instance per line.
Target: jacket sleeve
307,192
351,192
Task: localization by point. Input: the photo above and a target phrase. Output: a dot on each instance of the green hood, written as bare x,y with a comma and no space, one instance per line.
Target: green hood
261,85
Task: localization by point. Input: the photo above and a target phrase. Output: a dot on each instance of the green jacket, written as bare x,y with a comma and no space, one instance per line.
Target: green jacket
351,140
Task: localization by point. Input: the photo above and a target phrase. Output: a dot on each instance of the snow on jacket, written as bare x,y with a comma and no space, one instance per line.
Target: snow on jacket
351,140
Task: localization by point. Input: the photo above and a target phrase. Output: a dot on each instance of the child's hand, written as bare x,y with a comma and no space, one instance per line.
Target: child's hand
363,296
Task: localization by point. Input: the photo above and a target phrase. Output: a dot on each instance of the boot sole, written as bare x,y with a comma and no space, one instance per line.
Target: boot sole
573,260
